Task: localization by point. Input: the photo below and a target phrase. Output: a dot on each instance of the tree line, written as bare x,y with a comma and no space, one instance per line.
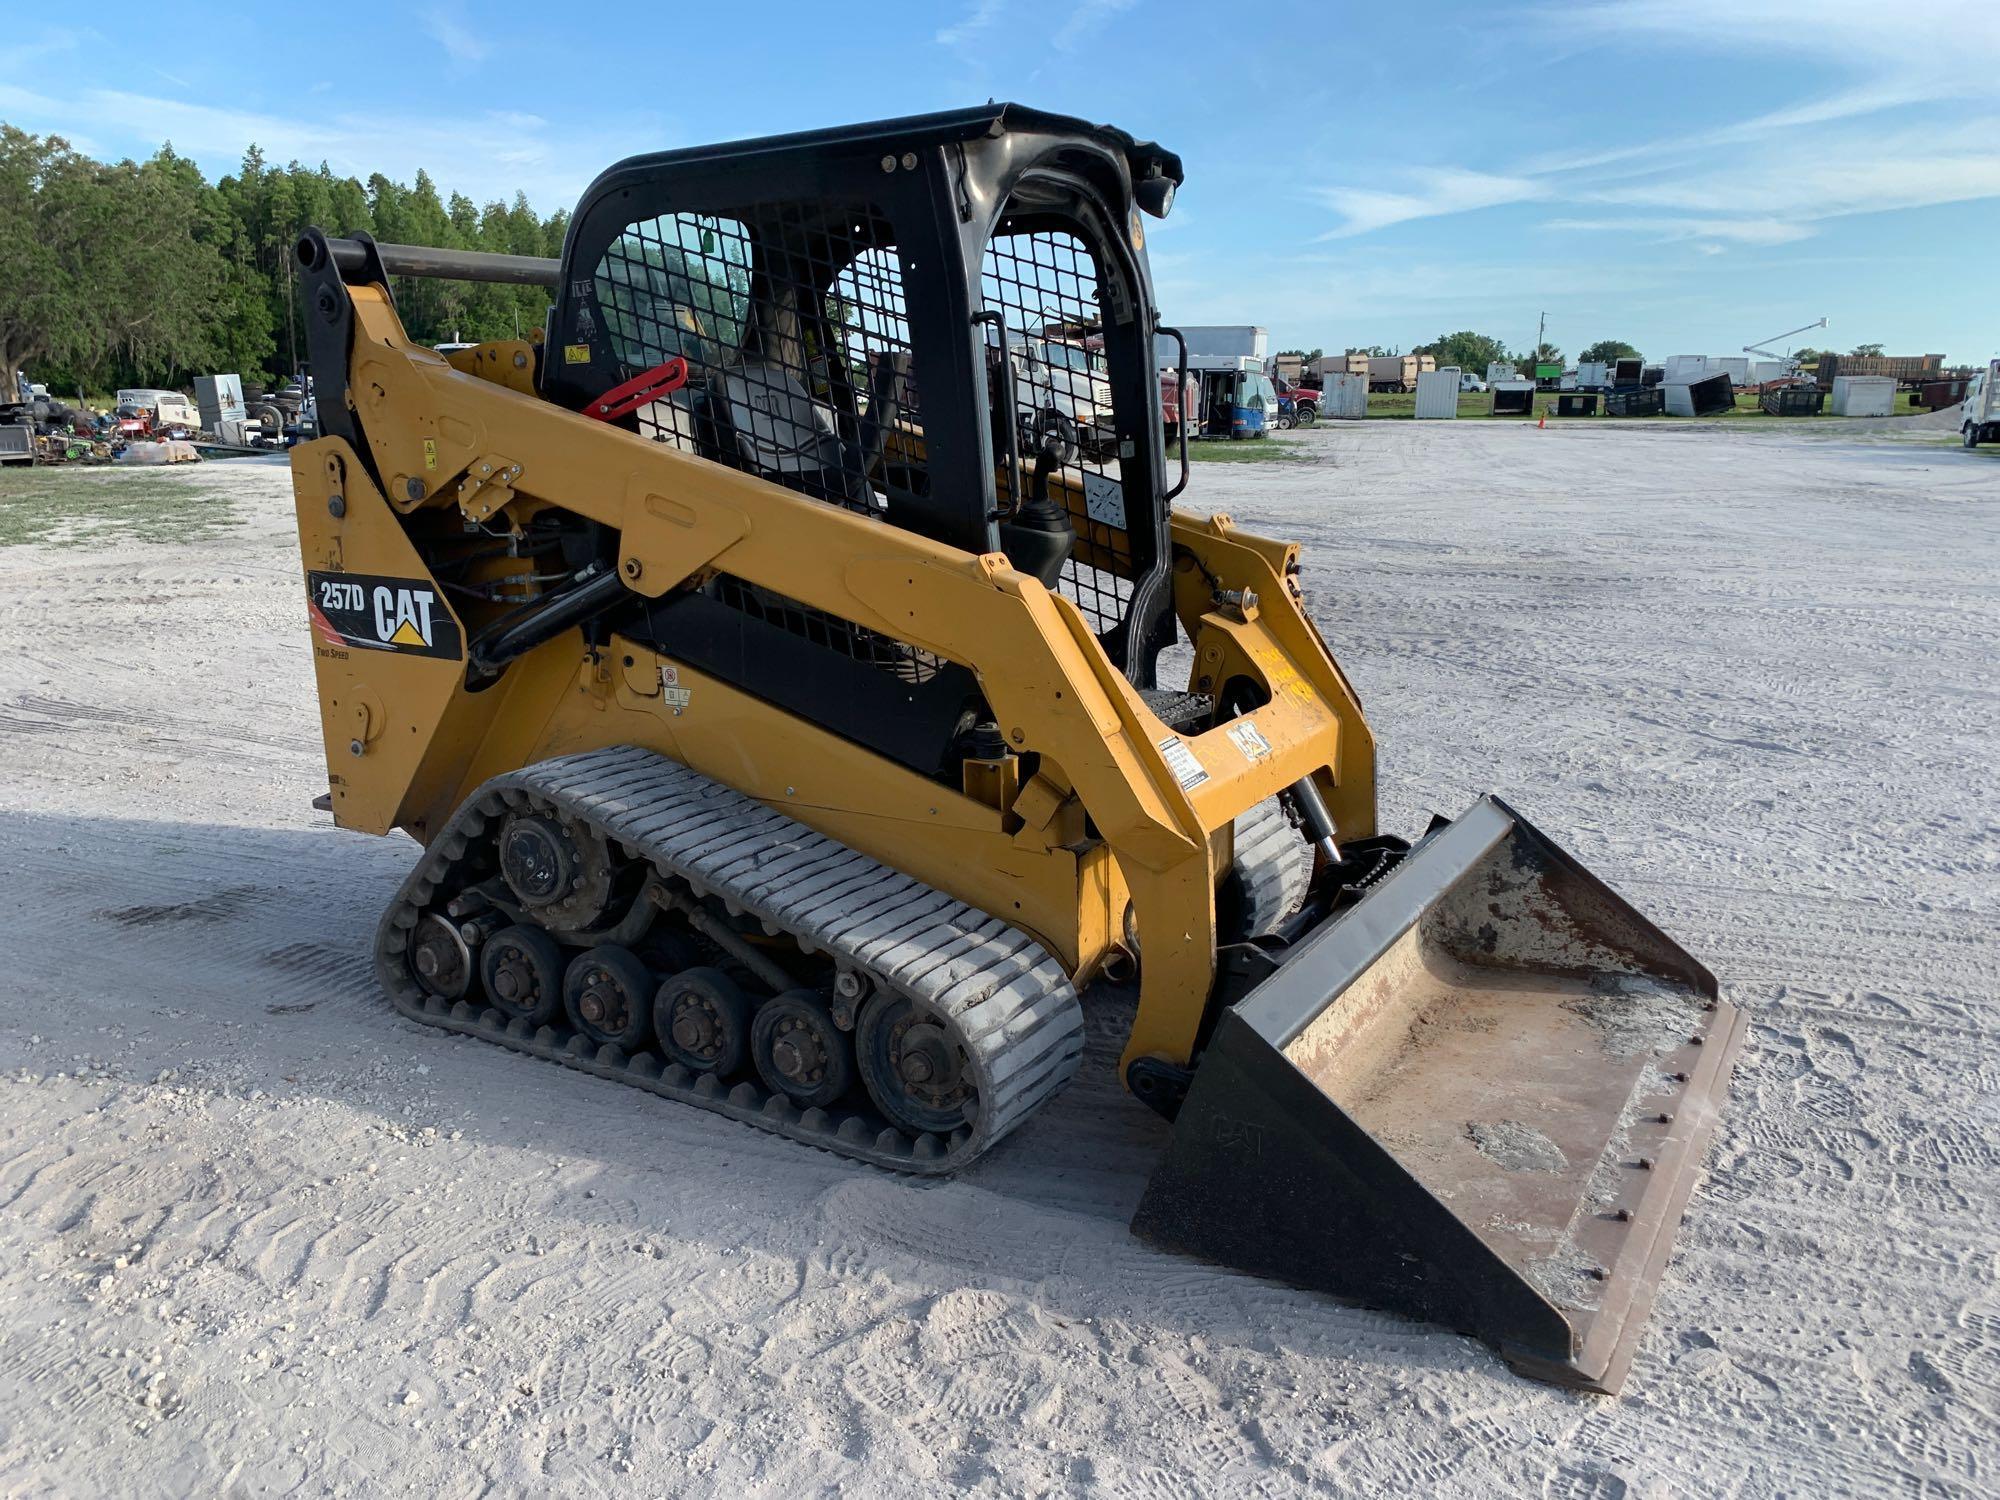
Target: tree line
147,274
1477,352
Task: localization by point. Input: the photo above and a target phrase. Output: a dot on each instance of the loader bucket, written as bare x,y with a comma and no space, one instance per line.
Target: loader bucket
1480,1096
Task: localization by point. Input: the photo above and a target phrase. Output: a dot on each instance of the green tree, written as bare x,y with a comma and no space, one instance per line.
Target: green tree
1606,351
44,193
143,273
1866,351
1465,349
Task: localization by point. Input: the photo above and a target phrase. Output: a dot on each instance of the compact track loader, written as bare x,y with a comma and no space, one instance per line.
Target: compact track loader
766,658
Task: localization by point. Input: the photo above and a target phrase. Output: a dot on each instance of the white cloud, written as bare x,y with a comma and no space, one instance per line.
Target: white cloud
1440,190
975,23
1844,151
1085,20
1740,231
461,42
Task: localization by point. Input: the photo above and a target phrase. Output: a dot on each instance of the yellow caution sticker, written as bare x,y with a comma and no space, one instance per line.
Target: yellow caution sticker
430,453
576,354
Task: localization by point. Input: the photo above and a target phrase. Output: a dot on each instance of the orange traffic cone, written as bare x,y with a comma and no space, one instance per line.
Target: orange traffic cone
1542,426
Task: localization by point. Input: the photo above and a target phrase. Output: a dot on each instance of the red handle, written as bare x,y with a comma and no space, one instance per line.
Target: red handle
623,400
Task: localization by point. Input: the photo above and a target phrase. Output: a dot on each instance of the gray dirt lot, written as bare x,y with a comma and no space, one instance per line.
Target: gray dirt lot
259,1235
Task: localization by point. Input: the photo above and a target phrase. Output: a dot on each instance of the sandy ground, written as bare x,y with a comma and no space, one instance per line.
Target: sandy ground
260,1236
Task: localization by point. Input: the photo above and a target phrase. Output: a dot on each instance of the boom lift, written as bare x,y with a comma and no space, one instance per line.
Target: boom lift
778,711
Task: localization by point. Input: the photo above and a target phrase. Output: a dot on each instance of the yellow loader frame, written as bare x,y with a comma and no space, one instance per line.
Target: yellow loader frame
407,740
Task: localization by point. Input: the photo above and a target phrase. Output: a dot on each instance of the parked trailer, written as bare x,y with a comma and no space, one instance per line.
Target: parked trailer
1905,369
1501,369
1220,341
1398,372
1437,394
1863,395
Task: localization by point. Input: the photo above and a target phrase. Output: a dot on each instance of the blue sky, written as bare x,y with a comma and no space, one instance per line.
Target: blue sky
1689,175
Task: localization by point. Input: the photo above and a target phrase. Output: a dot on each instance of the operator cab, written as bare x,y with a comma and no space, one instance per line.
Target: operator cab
943,322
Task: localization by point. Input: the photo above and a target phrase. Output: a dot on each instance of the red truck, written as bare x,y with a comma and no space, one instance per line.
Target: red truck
1298,405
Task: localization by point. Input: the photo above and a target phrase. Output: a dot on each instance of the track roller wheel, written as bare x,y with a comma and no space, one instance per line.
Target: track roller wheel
914,1067
798,1050
522,968
703,1021
439,958
605,991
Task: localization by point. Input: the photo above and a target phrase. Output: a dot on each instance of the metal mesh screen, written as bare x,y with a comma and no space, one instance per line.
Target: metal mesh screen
1045,283
898,658
796,335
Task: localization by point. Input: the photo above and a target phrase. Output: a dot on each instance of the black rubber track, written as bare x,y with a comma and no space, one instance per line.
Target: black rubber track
1006,997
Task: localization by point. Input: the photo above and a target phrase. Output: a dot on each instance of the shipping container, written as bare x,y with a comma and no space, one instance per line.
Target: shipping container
1863,395
1437,393
1706,396
1344,396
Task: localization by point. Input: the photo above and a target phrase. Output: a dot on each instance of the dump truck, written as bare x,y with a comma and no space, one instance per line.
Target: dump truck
786,739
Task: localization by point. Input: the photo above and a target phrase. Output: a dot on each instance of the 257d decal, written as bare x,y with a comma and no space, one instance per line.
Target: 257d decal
382,614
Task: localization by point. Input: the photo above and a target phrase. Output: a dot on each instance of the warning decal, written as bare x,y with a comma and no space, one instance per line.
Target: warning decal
1188,771
1249,739
382,614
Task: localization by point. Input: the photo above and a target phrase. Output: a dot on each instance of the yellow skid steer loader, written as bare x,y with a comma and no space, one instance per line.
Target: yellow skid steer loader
766,658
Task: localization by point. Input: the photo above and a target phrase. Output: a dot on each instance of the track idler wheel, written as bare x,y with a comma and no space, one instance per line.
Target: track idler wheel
798,1050
522,969
914,1067
440,959
606,991
703,1021
538,858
